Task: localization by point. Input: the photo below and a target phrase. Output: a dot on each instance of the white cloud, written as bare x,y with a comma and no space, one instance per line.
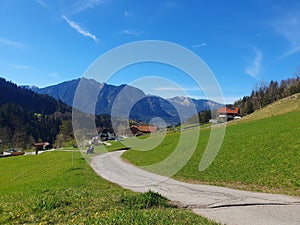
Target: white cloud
21,67
42,3
254,67
288,26
199,45
81,5
132,32
291,52
80,29
11,43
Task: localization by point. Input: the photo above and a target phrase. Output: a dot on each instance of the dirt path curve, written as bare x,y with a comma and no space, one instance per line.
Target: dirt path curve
225,205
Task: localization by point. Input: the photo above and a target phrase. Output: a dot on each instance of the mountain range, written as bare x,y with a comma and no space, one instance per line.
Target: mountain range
124,100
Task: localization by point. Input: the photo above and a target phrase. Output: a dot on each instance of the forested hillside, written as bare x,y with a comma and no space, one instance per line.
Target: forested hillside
262,96
29,100
20,128
266,94
27,117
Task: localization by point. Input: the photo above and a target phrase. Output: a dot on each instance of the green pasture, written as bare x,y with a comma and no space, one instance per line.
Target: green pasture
59,187
260,153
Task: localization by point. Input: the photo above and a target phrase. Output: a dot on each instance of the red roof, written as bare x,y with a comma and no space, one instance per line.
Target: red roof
146,129
228,111
41,144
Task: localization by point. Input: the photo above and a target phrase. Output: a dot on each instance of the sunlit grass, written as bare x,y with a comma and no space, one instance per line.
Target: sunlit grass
60,188
258,155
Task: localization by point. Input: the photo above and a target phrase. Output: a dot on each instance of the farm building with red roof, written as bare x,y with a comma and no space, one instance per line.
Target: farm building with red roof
226,114
145,129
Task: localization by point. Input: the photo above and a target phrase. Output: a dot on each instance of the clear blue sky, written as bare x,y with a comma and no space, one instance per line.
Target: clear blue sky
45,42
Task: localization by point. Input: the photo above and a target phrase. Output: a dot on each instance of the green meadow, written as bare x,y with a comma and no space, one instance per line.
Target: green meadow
259,153
60,187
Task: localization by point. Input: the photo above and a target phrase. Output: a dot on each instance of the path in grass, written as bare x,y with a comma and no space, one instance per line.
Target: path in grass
221,204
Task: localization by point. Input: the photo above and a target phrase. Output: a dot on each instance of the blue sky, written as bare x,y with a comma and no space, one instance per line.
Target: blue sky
45,42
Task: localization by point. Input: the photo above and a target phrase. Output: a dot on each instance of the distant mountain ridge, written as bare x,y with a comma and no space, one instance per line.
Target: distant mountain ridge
143,107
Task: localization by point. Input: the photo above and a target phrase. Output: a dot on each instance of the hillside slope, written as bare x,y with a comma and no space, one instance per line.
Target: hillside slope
27,117
29,100
286,105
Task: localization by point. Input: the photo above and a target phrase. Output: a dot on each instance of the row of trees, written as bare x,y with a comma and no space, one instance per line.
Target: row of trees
266,94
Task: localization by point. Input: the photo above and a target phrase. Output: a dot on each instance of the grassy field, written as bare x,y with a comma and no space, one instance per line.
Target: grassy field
260,153
60,188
